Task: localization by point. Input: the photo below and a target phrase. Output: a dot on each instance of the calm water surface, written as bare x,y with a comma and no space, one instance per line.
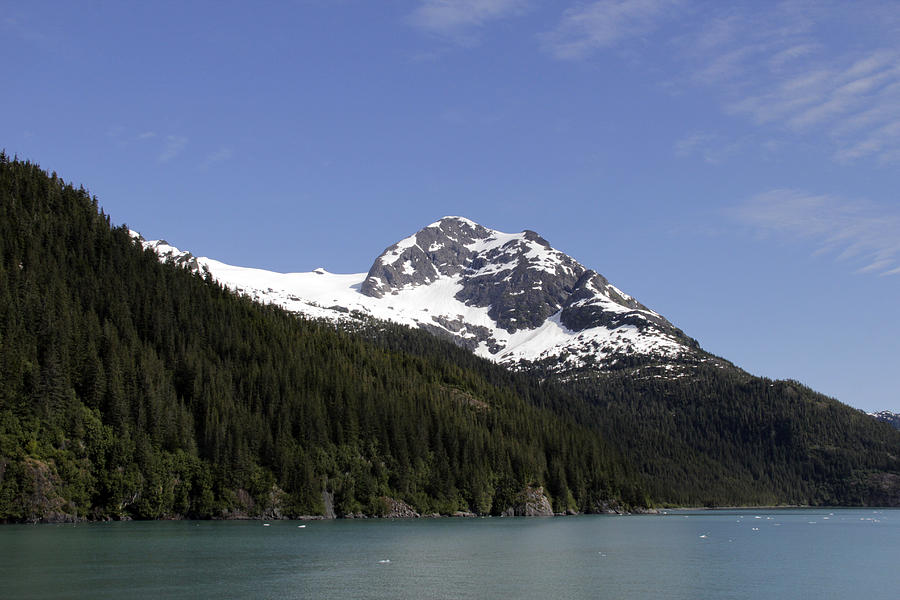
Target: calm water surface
708,554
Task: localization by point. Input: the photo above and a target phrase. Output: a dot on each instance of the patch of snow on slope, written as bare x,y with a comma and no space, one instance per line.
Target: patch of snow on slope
553,338
402,245
438,223
532,344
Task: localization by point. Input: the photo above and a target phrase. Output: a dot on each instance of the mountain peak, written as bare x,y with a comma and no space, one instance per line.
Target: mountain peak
505,296
440,249
451,220
520,280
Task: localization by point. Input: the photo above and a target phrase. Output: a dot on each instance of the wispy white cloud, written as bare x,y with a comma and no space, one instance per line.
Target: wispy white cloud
784,68
783,58
725,66
174,146
817,70
221,155
146,135
861,233
456,18
604,24
22,27
862,91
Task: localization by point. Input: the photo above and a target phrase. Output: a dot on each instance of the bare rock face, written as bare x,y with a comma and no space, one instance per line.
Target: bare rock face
274,504
440,249
519,278
535,503
328,502
532,502
42,497
397,509
590,302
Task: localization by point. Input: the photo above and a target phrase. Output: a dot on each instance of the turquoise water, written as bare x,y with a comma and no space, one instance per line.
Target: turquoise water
836,553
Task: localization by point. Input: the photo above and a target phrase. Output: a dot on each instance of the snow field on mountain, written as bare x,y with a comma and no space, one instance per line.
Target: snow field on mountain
313,294
320,294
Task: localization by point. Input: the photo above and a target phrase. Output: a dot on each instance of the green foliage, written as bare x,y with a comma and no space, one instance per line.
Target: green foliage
723,438
130,388
135,389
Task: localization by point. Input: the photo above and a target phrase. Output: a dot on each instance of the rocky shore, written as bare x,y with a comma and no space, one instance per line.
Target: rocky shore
530,502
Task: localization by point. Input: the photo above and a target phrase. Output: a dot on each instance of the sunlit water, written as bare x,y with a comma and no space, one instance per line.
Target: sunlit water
831,553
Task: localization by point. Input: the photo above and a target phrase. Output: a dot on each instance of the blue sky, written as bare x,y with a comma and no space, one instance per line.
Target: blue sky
734,166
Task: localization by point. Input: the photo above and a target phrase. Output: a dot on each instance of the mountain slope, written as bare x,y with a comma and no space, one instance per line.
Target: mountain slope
508,297
133,388
699,430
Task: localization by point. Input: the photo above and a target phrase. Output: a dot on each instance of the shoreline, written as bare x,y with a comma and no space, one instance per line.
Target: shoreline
662,511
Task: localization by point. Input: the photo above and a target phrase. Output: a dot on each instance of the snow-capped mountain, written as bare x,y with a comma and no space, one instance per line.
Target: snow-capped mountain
507,297
887,416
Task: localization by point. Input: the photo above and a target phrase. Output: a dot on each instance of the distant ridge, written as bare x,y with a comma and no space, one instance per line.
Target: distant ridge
887,416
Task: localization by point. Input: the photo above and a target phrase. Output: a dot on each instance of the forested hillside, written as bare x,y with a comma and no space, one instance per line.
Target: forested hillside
135,389
130,388
722,437
714,435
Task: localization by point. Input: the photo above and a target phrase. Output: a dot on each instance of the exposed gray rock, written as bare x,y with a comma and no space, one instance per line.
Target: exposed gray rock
608,507
536,503
640,510
520,279
42,498
397,509
532,502
328,501
433,251
274,504
461,333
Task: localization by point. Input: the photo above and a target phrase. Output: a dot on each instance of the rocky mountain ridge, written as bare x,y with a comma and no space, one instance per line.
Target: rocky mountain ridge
886,416
507,297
